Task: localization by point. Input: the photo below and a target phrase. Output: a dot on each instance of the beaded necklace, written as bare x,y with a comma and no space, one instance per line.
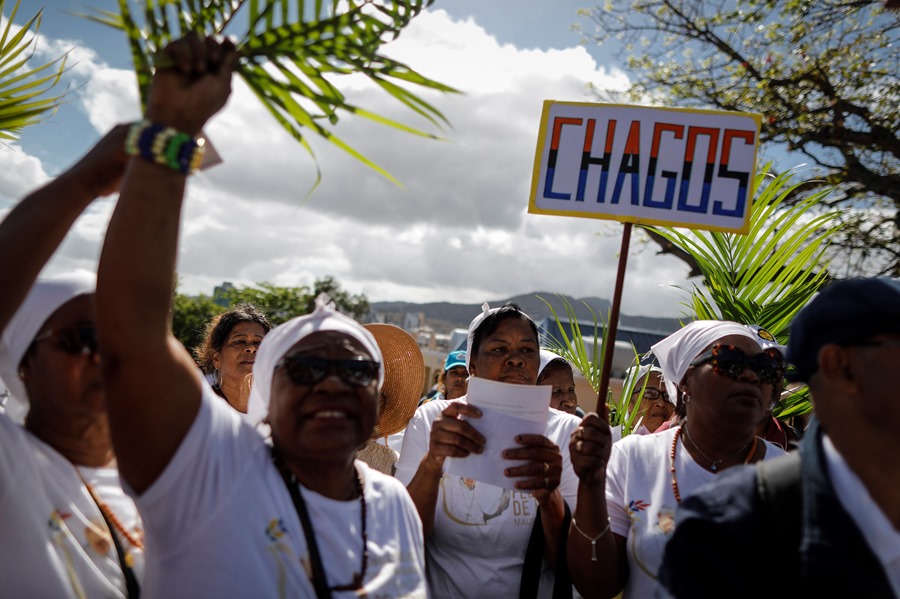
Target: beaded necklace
715,463
675,491
126,559
110,516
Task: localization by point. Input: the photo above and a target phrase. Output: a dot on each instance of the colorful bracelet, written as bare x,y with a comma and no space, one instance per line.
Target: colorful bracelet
166,146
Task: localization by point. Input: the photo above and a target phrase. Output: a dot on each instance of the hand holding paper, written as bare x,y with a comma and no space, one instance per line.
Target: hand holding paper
452,436
511,416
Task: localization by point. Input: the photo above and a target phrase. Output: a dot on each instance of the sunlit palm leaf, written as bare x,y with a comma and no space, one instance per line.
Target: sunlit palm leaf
766,276
23,89
293,54
589,361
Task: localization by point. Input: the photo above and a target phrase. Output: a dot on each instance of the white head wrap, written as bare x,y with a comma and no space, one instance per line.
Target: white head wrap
547,356
45,298
283,337
676,352
486,311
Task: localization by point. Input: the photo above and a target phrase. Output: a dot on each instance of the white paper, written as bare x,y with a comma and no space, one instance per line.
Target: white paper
507,411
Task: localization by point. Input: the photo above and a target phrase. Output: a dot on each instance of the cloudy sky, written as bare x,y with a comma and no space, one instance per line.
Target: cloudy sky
458,230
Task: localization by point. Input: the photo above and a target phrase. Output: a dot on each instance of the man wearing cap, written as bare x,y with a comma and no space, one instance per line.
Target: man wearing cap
828,516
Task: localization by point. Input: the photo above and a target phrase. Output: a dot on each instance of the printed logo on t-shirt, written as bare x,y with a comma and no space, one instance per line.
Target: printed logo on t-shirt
470,503
647,546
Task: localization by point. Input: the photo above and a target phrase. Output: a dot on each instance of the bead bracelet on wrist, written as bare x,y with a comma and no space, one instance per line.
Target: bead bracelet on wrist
165,146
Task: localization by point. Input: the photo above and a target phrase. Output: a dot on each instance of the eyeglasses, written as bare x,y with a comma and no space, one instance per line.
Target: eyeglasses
731,361
303,370
75,339
652,393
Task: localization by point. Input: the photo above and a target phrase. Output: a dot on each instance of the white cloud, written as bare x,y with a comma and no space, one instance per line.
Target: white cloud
21,173
457,231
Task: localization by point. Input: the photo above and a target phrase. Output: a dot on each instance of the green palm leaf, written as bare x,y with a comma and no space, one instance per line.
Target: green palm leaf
589,361
23,90
293,54
767,275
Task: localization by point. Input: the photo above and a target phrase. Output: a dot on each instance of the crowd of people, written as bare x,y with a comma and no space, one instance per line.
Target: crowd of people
260,466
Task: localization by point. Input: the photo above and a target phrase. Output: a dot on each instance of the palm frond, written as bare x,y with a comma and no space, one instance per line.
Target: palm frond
767,275
293,54
23,89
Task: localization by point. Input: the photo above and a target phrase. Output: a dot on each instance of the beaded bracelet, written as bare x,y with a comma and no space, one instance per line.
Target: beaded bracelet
164,145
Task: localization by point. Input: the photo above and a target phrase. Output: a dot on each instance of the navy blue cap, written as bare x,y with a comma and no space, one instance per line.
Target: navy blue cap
844,313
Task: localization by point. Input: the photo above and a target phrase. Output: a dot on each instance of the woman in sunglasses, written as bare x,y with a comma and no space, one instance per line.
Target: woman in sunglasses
628,492
228,511
67,527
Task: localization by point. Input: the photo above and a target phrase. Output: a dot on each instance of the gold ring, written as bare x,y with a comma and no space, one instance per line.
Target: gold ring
578,446
546,467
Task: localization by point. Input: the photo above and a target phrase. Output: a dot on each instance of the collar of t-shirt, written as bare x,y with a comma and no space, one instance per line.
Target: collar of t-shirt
879,533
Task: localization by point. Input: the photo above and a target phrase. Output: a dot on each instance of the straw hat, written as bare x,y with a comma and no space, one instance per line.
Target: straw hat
404,377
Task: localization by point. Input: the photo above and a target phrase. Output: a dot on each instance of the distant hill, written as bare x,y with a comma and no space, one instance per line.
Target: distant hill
443,317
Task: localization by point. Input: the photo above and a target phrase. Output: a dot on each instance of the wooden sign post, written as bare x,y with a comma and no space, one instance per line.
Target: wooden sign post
644,165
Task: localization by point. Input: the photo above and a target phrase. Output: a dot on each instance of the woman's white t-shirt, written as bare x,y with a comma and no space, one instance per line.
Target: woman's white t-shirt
220,522
55,540
477,547
641,503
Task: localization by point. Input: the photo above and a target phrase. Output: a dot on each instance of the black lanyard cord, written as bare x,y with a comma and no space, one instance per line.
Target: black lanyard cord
319,581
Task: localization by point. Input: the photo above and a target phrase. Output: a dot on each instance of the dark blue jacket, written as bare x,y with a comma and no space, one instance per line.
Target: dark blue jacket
728,542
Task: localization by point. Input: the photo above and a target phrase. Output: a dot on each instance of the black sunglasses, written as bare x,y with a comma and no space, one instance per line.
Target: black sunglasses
731,361
304,370
75,339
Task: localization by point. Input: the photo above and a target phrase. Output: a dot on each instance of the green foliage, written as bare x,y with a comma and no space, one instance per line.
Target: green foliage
767,275
825,75
574,349
589,360
23,99
191,314
292,54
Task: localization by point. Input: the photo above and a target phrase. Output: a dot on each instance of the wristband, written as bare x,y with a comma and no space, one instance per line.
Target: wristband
165,146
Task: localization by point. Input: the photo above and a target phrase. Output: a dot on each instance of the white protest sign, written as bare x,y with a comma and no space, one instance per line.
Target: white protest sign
663,166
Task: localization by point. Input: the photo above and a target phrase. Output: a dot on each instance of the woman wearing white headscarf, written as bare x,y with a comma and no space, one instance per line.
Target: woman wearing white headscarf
478,534
228,512
651,403
68,529
628,492
556,372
